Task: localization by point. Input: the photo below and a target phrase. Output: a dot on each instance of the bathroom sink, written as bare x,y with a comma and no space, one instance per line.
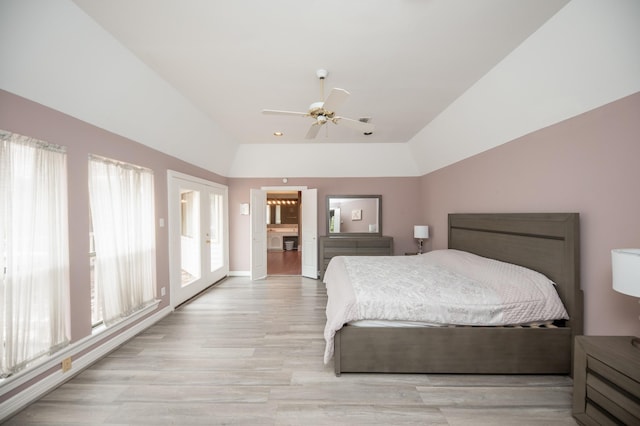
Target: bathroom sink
283,230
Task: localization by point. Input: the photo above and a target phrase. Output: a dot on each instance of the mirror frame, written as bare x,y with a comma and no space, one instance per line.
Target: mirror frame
354,234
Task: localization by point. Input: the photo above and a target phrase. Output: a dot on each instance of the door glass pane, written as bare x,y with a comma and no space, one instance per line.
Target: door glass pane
190,235
216,231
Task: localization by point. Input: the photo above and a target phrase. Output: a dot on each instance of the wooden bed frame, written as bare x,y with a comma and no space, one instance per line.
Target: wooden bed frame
546,242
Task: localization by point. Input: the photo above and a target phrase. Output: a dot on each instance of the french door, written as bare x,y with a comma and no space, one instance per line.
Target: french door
198,235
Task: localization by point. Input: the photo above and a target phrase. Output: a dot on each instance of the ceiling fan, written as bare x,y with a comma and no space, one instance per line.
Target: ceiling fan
324,111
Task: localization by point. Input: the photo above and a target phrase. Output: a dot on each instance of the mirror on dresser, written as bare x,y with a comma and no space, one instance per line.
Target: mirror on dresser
354,215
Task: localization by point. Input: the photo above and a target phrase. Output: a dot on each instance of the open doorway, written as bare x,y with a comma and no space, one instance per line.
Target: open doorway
284,232
307,230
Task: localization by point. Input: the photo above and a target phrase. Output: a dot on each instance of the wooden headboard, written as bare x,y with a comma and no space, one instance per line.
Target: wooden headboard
545,242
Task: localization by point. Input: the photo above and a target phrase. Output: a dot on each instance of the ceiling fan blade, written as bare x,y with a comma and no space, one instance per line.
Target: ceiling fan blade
278,112
313,131
355,124
335,99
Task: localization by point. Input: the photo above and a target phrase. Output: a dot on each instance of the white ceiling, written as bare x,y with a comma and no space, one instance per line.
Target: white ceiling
403,61
442,80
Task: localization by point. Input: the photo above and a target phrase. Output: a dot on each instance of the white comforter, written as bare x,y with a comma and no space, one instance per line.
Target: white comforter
441,287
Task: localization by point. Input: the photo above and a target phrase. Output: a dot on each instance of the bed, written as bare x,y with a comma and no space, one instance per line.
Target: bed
544,242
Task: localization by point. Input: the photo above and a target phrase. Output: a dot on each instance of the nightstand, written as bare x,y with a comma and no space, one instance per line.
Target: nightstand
606,380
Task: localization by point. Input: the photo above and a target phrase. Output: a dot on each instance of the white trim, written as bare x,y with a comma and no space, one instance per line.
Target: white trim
178,294
36,370
284,188
189,178
239,273
17,402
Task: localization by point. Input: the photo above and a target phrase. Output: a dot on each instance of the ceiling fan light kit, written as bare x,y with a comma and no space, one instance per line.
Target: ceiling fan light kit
324,110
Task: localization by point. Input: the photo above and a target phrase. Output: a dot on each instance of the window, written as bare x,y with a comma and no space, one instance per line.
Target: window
189,204
122,215
34,251
216,221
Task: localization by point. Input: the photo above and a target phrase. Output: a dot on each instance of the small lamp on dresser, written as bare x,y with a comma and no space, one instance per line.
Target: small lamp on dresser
421,233
625,267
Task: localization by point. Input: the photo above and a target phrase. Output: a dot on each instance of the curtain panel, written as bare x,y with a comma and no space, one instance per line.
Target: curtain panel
34,251
122,213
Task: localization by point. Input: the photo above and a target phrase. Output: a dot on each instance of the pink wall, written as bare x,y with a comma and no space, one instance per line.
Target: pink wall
588,164
400,208
28,118
19,115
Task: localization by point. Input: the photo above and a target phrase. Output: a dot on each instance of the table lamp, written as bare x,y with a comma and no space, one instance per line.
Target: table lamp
420,232
625,267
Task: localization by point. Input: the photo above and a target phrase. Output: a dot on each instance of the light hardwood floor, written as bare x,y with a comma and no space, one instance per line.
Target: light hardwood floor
250,353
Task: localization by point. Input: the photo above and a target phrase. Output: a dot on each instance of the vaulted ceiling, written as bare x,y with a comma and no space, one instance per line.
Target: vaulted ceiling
440,80
402,61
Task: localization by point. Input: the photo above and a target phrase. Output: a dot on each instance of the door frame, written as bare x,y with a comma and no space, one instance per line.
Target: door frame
309,237
174,179
262,217
258,234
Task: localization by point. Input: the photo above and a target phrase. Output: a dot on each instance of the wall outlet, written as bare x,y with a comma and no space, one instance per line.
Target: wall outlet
66,364
163,291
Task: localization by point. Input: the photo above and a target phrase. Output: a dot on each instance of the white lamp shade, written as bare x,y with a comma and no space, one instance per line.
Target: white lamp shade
420,231
625,266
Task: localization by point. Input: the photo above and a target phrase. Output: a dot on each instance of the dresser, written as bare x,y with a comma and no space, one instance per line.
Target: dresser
352,246
606,380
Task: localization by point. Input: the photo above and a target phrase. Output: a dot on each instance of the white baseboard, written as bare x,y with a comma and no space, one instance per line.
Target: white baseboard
17,402
239,273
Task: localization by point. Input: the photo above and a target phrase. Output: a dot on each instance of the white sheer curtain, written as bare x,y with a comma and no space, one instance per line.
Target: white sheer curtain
34,251
122,212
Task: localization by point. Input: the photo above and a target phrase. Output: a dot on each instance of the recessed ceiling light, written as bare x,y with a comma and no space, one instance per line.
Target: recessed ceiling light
278,133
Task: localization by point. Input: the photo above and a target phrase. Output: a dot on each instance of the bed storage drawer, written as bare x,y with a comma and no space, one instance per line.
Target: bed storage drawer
443,350
353,246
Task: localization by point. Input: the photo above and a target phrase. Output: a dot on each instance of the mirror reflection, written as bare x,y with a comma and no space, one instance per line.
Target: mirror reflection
354,215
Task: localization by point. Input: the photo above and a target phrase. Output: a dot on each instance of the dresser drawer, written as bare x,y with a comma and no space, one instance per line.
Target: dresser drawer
330,252
611,400
374,243
353,246
343,243
375,247
594,415
606,380
613,391
616,378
